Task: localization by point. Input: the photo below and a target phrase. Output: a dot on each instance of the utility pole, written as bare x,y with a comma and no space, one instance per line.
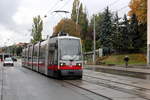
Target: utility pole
148,32
77,12
94,56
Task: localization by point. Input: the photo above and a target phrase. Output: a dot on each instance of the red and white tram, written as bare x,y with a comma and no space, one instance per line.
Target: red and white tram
57,56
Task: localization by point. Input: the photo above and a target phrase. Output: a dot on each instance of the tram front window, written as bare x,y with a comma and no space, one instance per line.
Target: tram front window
70,49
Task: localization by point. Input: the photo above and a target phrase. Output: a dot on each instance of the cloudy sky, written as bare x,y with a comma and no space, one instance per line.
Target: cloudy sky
16,15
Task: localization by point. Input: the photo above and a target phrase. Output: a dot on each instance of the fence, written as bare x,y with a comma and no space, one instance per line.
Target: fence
89,56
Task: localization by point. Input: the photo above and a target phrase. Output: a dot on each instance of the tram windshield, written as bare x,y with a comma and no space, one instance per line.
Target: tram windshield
70,49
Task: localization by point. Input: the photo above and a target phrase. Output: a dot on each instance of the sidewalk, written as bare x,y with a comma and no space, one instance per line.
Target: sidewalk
133,69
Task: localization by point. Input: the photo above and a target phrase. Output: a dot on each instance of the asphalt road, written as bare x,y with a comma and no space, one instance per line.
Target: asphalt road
18,83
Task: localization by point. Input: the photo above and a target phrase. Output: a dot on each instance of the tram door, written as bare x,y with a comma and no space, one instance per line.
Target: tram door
52,58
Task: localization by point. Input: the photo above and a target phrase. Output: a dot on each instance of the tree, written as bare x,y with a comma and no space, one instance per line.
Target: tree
68,26
139,8
135,35
79,16
75,10
116,34
37,28
18,50
106,30
98,27
83,22
126,43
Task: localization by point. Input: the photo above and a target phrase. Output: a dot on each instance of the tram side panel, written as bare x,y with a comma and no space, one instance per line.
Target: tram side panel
35,57
53,60
42,59
23,57
26,57
30,56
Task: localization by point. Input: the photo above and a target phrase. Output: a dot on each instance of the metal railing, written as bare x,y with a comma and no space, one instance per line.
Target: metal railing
89,56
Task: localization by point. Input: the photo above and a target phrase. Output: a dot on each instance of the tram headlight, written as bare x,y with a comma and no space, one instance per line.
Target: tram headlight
79,64
62,64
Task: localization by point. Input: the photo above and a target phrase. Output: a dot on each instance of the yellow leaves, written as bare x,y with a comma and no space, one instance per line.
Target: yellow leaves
139,7
68,26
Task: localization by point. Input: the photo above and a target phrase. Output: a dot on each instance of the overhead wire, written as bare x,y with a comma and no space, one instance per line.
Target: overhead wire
65,4
111,4
54,6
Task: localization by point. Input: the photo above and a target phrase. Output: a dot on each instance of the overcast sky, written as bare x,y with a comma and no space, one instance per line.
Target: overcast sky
16,15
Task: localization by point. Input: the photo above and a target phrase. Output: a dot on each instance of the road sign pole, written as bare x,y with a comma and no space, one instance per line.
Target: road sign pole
94,37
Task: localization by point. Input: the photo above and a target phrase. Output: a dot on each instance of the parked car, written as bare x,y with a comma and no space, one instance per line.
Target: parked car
14,59
8,62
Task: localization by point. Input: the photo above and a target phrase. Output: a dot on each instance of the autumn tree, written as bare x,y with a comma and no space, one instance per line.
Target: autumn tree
68,26
139,8
37,28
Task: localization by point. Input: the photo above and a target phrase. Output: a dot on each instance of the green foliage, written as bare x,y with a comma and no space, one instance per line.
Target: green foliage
116,34
83,22
126,42
75,10
79,16
135,35
106,30
14,50
88,44
98,25
37,28
126,36
19,51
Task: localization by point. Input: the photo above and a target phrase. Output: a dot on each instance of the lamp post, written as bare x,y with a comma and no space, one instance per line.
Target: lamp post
148,33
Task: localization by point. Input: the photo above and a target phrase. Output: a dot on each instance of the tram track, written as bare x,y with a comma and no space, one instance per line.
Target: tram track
135,90
87,90
140,88
114,85
73,83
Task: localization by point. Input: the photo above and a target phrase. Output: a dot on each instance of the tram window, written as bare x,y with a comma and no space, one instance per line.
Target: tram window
35,52
70,49
55,57
51,57
42,52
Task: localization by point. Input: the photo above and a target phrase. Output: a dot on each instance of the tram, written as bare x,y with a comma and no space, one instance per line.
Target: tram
58,56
